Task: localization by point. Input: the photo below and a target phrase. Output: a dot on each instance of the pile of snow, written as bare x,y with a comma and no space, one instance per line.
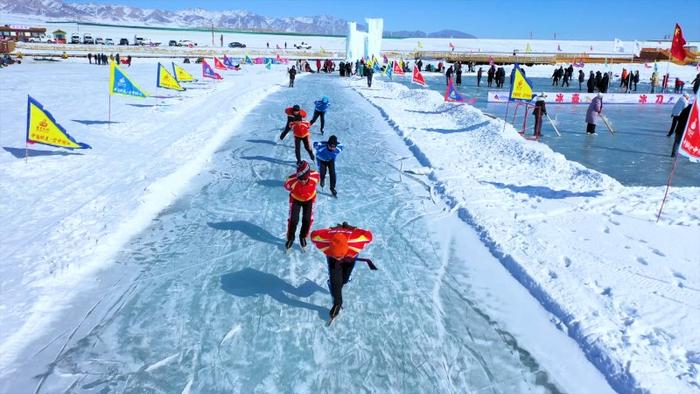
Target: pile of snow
589,249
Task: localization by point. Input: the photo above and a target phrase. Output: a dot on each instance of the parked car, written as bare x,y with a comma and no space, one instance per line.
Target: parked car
172,43
123,41
99,41
139,40
186,43
87,39
236,44
43,37
75,38
303,45
109,41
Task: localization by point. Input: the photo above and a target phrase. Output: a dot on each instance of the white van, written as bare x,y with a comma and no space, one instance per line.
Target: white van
75,38
139,40
87,39
99,41
43,37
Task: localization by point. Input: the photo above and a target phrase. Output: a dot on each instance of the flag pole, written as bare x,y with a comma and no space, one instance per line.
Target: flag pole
109,113
26,152
668,185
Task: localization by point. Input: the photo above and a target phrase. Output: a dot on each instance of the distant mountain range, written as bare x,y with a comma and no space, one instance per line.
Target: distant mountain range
53,10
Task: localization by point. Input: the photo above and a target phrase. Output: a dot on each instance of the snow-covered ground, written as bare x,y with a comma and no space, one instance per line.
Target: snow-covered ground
585,247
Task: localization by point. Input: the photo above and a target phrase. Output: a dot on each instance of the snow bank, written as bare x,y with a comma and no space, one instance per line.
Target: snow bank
589,249
65,214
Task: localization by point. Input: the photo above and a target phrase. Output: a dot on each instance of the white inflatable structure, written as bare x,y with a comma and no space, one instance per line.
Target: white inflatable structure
359,43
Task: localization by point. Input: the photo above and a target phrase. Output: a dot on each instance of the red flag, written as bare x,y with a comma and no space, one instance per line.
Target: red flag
452,45
677,49
690,144
218,64
418,77
397,69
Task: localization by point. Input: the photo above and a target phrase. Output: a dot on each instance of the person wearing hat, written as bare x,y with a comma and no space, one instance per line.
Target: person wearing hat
302,195
326,152
302,133
594,110
294,114
341,244
321,106
292,74
540,110
676,112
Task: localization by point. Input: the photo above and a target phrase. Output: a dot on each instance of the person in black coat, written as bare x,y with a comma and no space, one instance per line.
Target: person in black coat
636,79
604,82
478,76
368,73
539,112
591,83
490,74
695,82
581,78
458,73
680,128
292,74
448,75
341,66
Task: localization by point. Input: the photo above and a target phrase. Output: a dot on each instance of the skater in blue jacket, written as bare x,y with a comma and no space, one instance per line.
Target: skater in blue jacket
326,152
321,106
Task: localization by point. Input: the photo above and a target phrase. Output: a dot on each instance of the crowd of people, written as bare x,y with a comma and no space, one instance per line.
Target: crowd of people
103,59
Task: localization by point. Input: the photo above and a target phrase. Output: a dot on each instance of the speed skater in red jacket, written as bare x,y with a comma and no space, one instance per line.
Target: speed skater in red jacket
294,114
302,195
341,245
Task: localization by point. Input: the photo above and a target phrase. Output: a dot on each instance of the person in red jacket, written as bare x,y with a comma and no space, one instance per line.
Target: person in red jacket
294,114
302,195
341,245
302,133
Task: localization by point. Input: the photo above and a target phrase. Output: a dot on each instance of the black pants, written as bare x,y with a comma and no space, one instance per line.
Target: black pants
318,114
287,127
673,125
330,166
291,82
339,272
538,126
369,80
307,218
676,143
590,128
297,147
478,81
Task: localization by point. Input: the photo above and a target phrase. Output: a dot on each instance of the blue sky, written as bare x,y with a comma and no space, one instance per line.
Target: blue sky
569,19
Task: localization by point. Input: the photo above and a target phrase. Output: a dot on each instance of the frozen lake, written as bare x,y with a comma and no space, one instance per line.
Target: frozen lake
637,155
206,299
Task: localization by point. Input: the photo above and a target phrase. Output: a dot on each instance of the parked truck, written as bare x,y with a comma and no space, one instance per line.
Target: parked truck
75,38
87,39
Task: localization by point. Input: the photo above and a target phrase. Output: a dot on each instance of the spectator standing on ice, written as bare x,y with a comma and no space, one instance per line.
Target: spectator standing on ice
680,128
595,109
292,74
478,76
654,80
676,112
458,73
128,60
581,78
696,83
565,79
341,244
635,79
302,195
604,83
326,153
89,57
116,59
320,108
490,74
500,77
678,86
539,112
294,114
448,74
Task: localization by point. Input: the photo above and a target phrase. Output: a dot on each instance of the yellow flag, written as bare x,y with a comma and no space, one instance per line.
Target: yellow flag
527,48
181,74
42,128
166,80
521,89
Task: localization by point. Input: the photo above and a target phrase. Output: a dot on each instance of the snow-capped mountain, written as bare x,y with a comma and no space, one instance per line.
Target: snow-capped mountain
195,17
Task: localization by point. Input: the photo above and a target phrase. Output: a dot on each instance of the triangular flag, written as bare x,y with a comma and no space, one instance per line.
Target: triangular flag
181,74
420,45
388,71
167,80
690,143
528,49
375,67
451,94
521,88
418,77
120,83
247,59
42,128
208,72
268,64
323,50
397,69
218,64
451,45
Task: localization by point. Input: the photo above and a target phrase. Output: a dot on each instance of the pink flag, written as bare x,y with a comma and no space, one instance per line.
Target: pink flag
208,72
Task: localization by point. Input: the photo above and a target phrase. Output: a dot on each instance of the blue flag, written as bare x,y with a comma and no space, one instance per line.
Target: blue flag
452,95
120,83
